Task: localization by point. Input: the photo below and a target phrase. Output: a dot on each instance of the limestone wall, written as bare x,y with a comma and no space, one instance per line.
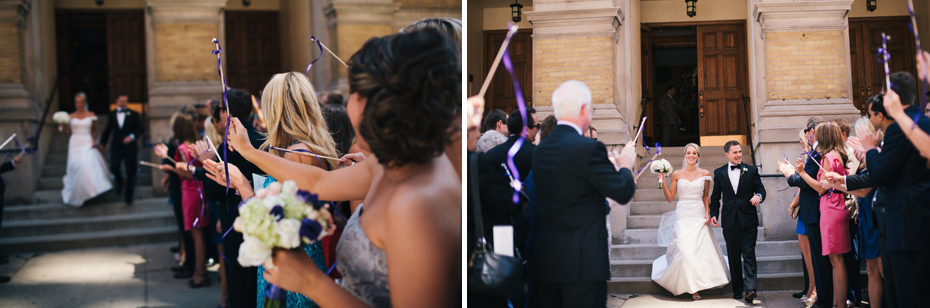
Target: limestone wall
175,57
806,65
10,57
587,59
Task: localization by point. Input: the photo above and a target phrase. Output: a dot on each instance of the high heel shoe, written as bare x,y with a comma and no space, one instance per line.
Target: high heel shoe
696,296
811,301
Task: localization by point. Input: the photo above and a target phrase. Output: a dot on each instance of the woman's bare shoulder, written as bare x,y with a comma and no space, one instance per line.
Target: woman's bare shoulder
704,172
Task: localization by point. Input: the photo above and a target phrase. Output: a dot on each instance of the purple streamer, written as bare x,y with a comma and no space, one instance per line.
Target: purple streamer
312,38
522,106
219,70
658,148
331,268
926,82
22,150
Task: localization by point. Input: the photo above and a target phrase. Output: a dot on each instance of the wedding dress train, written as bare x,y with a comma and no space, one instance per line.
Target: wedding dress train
87,175
693,261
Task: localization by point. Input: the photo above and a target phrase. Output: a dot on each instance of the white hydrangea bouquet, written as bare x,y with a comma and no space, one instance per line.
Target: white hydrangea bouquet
661,166
279,216
62,118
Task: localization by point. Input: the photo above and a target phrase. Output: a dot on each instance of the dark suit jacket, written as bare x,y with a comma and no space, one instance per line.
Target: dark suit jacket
668,111
809,199
902,173
573,177
497,207
736,206
5,167
132,124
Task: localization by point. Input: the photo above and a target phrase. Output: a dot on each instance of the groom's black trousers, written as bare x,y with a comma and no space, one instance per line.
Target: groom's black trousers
131,162
741,242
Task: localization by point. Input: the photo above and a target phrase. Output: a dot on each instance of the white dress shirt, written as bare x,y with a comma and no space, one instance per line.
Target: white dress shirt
734,175
572,125
120,117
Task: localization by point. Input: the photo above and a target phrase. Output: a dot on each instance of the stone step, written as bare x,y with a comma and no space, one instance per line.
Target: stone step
787,281
121,237
88,211
652,221
648,193
34,227
651,207
652,251
56,182
54,196
56,158
54,170
765,265
648,236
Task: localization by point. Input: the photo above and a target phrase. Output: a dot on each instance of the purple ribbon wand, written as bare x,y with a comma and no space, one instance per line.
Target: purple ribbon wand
884,57
926,83
219,68
522,106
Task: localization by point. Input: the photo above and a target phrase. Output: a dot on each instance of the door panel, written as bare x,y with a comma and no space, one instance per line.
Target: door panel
254,51
722,80
868,75
646,56
855,65
126,46
500,94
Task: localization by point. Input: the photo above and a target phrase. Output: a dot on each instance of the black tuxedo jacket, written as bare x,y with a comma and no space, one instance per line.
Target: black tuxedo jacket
809,199
497,207
902,174
5,167
572,177
132,124
736,205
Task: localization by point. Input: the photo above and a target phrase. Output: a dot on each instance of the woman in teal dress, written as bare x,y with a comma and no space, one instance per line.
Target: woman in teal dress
294,120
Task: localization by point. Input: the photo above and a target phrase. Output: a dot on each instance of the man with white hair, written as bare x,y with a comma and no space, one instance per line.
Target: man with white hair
573,177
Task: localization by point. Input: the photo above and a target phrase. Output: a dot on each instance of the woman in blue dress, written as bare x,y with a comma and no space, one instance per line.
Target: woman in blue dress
294,120
868,228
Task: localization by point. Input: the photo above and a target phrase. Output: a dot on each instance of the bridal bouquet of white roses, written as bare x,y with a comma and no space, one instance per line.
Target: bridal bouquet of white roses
62,118
279,216
661,166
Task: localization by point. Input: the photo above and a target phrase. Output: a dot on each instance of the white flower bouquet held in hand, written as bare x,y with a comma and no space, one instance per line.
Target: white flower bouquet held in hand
279,216
661,166
61,118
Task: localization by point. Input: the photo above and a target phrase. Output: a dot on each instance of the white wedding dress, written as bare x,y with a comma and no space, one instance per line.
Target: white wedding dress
87,175
693,261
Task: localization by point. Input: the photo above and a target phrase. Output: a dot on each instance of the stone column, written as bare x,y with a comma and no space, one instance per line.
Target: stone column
181,69
800,62
351,23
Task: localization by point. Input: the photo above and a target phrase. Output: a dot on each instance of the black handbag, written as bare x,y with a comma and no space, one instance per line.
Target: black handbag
491,274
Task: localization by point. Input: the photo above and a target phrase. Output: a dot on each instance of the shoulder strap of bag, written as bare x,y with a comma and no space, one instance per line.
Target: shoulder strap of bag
476,196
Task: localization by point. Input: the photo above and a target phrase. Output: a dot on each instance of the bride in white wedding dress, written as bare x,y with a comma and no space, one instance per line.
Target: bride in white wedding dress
87,175
693,261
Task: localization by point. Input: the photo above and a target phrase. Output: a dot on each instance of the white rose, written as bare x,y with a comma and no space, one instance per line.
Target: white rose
238,224
311,213
289,188
288,230
253,252
272,201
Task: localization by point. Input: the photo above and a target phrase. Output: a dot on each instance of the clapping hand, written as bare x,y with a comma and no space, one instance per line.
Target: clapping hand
351,159
866,138
922,60
627,156
237,181
799,165
161,150
201,149
785,168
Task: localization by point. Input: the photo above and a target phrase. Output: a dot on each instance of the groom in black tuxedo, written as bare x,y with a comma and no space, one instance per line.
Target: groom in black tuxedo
573,177
126,127
742,190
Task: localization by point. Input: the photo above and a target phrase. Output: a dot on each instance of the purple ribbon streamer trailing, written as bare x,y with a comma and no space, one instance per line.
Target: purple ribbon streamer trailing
225,104
312,38
522,106
331,268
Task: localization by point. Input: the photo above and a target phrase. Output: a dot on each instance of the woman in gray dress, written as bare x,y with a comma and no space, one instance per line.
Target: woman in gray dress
405,95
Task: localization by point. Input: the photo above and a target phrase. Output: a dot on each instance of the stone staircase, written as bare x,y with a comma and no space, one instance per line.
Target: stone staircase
49,225
778,261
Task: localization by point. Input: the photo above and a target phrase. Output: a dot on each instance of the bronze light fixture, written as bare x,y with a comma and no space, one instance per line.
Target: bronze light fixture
515,9
246,3
690,5
98,2
870,5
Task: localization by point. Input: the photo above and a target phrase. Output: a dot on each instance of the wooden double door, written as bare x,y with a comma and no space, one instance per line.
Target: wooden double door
721,80
865,37
500,93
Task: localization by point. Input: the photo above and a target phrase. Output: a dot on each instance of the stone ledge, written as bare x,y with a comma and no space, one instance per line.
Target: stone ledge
584,22
802,15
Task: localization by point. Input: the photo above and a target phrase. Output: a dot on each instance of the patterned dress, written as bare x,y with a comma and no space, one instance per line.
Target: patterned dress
294,300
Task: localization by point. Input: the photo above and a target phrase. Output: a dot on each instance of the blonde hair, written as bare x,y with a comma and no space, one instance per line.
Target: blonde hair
803,137
865,122
210,131
696,148
292,114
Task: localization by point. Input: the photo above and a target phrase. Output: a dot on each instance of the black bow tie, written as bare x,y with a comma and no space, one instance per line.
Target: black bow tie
734,167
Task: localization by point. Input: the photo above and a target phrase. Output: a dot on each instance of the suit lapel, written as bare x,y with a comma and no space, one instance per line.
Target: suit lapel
742,177
726,177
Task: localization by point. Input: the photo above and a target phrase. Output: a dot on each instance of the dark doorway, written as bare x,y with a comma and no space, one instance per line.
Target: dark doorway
501,94
254,51
100,53
674,52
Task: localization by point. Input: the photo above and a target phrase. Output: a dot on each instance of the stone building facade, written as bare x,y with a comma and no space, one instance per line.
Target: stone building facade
179,68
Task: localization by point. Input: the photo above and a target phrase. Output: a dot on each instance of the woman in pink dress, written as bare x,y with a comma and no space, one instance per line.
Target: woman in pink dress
196,216
834,218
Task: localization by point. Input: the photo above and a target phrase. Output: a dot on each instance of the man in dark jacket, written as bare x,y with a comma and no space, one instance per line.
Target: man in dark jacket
126,127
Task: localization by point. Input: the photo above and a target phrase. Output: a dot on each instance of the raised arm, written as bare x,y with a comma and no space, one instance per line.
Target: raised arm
617,185
350,183
757,186
807,179
706,197
672,188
